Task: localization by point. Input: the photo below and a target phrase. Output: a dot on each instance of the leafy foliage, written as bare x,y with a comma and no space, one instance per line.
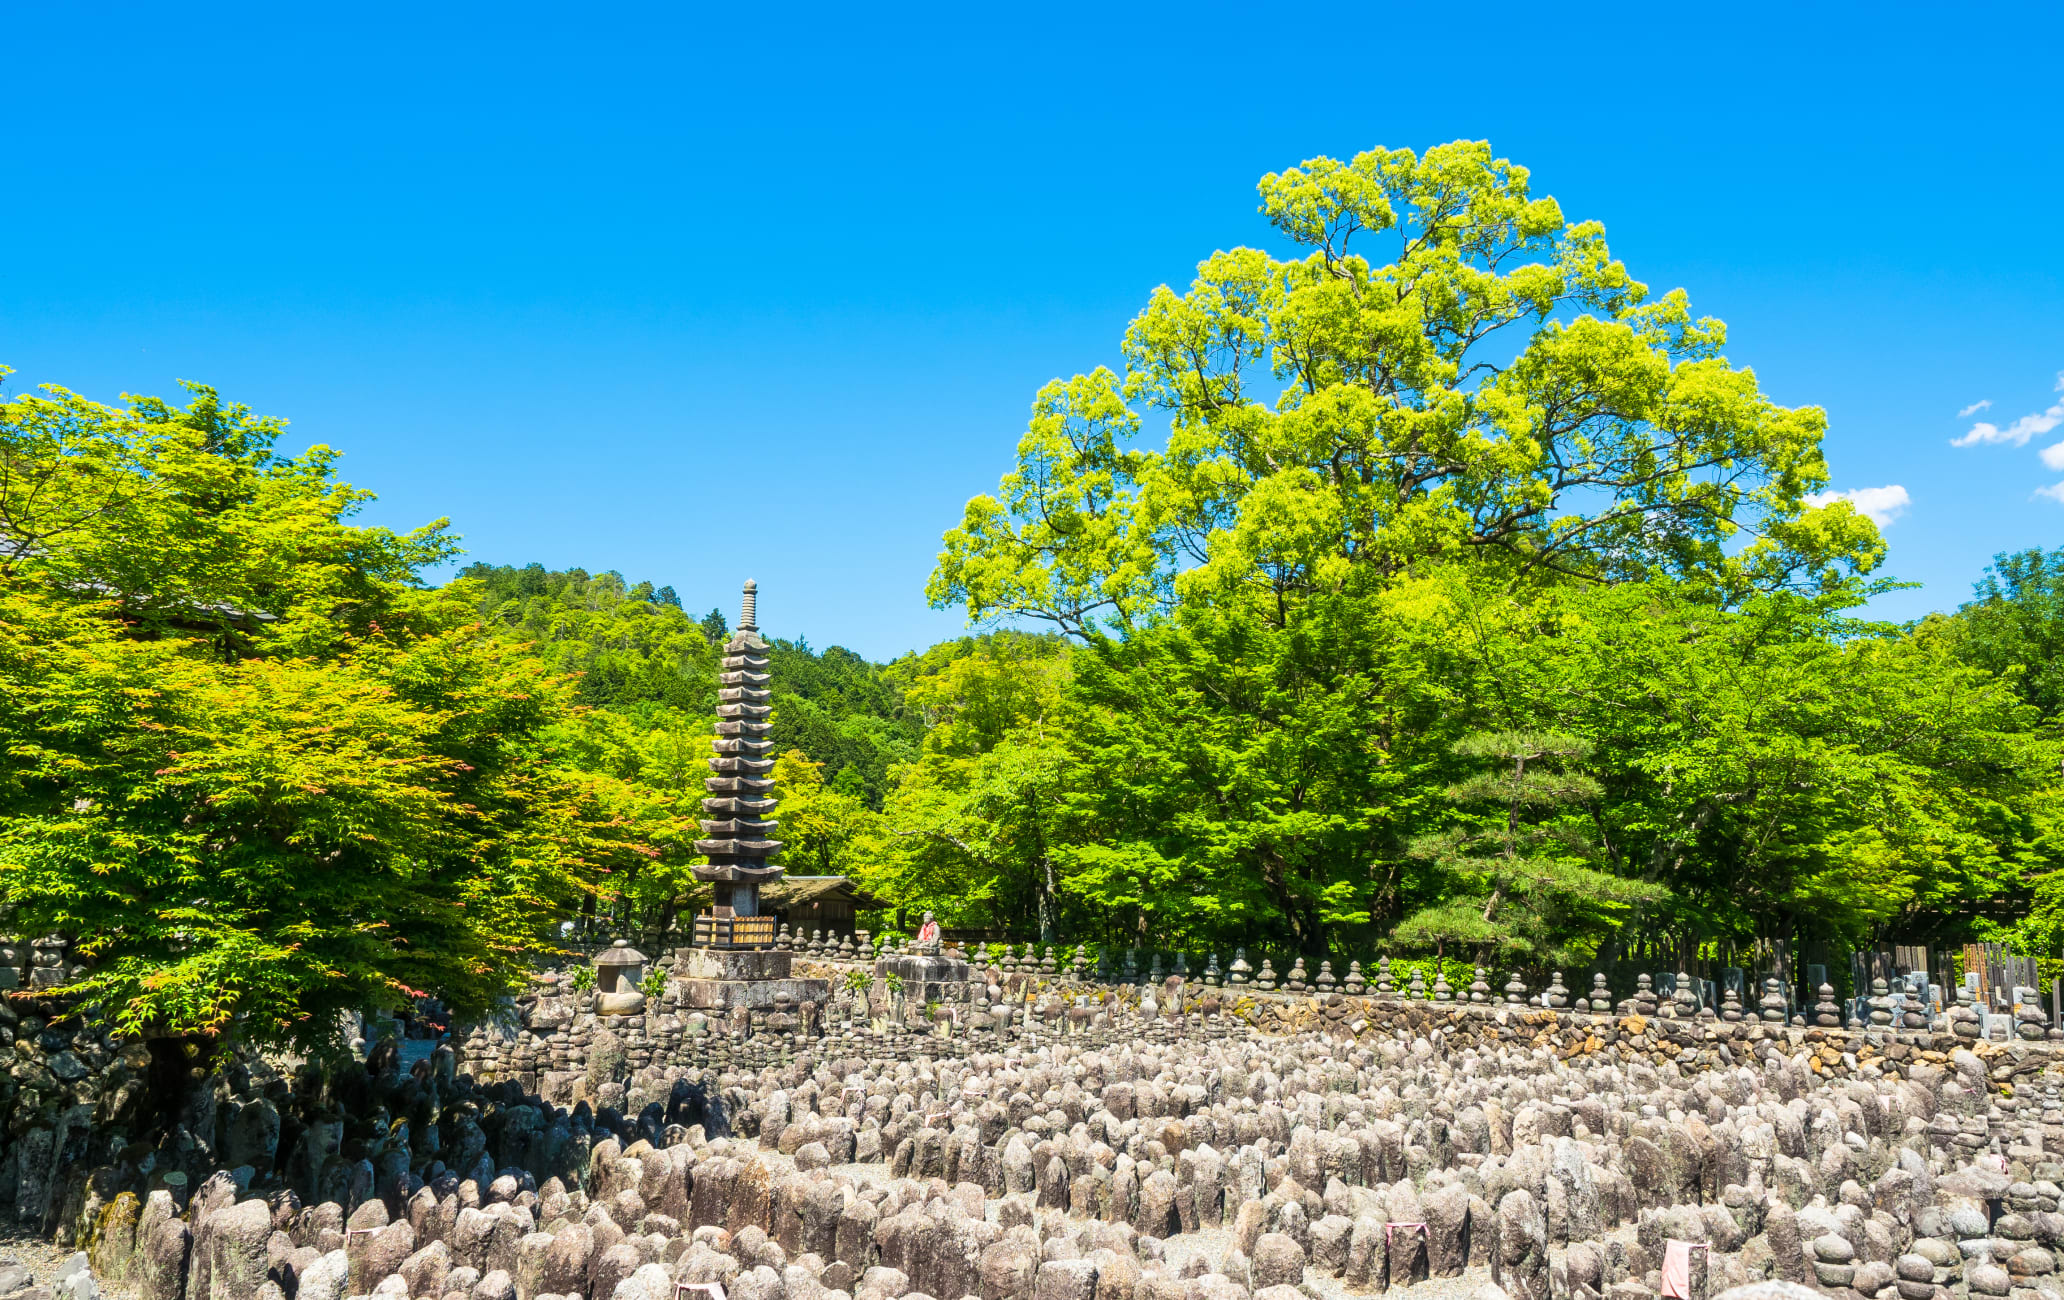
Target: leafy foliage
1249,780
635,653
1521,884
1499,387
846,714
2015,625
824,830
258,772
1483,483
630,650
973,824
182,522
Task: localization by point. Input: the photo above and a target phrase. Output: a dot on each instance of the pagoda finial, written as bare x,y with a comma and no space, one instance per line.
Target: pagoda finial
746,617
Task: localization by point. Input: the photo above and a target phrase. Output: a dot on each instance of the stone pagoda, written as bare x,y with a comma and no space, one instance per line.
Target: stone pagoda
733,961
741,795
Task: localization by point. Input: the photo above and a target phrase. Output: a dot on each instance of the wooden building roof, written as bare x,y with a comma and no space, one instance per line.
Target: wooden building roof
794,891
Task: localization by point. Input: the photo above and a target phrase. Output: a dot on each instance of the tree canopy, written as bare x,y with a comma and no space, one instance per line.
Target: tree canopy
1490,382
257,771
1436,468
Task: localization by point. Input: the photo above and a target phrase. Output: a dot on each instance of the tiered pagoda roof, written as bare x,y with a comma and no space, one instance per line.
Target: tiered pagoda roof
741,791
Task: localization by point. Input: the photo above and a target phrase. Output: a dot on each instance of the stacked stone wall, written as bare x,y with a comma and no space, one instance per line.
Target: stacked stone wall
544,1043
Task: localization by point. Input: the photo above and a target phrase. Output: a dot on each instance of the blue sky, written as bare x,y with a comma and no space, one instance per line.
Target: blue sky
766,291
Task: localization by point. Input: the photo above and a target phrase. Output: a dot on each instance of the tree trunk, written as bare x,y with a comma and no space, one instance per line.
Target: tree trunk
178,1066
1048,886
667,914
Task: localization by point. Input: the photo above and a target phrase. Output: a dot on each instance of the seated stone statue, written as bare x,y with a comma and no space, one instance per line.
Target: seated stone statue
928,936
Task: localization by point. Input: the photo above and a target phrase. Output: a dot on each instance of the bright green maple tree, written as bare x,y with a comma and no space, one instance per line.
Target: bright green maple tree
977,826
254,770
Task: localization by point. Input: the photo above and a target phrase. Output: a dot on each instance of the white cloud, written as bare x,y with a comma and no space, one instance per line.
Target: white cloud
2054,492
2053,456
2020,431
1881,505
1974,408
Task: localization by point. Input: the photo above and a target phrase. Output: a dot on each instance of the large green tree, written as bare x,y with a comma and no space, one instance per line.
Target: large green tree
2014,625
1433,378
186,522
977,823
1445,366
255,770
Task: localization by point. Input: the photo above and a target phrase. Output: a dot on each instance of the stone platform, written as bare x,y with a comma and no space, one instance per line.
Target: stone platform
720,979
927,978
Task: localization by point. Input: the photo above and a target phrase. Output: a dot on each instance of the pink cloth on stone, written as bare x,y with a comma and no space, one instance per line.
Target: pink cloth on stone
1677,1269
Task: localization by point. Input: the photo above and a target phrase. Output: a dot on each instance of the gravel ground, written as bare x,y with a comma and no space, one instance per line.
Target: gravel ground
40,1257
1211,1244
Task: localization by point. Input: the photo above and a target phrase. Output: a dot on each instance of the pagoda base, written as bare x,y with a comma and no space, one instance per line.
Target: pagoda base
755,995
732,963
720,979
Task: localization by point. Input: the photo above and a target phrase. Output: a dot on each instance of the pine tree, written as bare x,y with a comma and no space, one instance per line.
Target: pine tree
1521,886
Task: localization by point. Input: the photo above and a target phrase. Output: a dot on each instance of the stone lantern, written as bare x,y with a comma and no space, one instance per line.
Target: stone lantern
618,971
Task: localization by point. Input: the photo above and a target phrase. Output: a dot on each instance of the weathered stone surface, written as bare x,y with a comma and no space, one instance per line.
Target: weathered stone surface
114,1250
1066,1279
1277,1261
252,1136
328,1278
378,1253
1772,1290
235,1242
426,1270
529,1272
1522,1248
1008,1271
1447,1223
607,1266
1368,1256
160,1265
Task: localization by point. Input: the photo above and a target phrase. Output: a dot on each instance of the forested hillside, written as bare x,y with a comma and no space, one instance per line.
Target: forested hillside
632,650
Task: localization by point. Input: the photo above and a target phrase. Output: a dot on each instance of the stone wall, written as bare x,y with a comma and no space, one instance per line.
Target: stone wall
544,1042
